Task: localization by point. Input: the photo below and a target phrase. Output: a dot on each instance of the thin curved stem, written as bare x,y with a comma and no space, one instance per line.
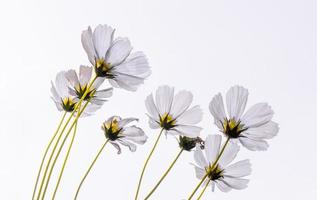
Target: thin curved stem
202,192
164,175
65,161
90,167
195,190
145,164
60,135
45,153
60,149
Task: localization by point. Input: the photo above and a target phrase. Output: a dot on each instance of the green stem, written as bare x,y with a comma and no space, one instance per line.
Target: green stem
145,164
90,167
195,190
213,165
61,147
221,152
164,175
60,135
45,153
202,192
65,161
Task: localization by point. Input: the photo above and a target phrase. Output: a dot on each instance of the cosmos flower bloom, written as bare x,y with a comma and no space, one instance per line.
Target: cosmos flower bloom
225,176
79,85
113,58
117,131
172,113
250,128
63,100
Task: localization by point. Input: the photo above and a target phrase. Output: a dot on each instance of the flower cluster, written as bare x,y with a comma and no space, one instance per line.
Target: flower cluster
79,94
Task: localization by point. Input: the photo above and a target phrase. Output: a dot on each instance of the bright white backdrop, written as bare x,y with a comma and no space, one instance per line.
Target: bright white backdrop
268,46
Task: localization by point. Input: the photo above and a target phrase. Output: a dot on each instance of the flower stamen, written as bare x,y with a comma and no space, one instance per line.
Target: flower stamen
103,68
167,122
233,128
68,104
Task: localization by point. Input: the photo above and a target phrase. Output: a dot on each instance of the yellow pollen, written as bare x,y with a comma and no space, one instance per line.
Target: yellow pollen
101,63
68,101
232,124
113,125
168,119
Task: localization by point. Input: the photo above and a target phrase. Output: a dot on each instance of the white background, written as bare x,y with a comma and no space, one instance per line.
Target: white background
204,46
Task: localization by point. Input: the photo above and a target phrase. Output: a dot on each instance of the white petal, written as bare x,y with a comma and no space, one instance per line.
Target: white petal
187,130
126,121
103,35
222,185
84,75
116,146
58,105
236,99
151,108
266,131
119,51
62,84
236,183
92,108
229,154
212,146
136,65
257,115
72,77
98,82
190,117
153,123
135,134
217,110
131,146
164,99
105,93
127,82
238,169
87,42
98,102
200,172
181,102
55,96
199,158
254,144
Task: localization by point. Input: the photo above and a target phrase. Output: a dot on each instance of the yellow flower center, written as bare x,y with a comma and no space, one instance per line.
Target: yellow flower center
81,89
113,125
68,104
112,129
233,128
103,68
167,122
214,172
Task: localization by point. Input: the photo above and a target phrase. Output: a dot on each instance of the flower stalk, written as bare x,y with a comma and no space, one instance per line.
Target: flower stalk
90,167
145,164
165,174
45,154
65,161
61,134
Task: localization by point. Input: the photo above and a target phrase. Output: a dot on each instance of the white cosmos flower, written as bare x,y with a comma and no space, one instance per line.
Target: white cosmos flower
225,176
63,100
252,127
172,113
113,59
79,84
117,131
